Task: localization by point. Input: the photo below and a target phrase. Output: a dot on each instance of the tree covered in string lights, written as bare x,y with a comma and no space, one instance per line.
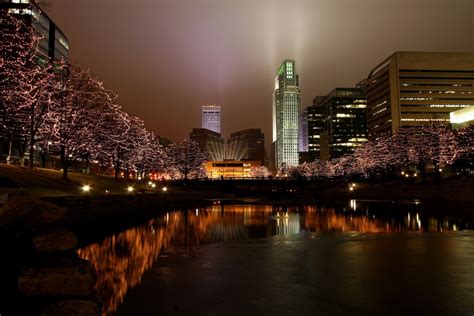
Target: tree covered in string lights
465,138
148,155
81,105
434,146
185,159
259,172
26,85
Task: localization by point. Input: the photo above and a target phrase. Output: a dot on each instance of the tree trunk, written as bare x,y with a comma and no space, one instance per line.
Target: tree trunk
43,159
117,170
64,163
65,168
10,147
30,162
32,136
22,158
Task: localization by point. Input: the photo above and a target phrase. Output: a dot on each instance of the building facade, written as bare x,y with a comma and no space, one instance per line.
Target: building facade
345,122
248,145
286,108
417,88
54,44
230,169
210,143
303,131
316,124
211,118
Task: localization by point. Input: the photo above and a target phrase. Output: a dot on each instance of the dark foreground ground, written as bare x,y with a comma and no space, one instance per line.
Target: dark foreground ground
329,273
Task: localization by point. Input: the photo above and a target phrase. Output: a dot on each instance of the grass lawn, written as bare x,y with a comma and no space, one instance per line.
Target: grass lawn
46,182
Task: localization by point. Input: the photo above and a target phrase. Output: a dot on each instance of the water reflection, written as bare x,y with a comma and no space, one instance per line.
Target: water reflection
121,260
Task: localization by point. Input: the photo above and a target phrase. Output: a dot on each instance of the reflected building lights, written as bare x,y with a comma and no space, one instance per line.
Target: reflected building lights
353,205
121,260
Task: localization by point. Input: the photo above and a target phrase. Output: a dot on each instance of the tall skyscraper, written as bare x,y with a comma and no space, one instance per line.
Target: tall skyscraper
316,124
417,88
286,108
303,131
344,122
211,117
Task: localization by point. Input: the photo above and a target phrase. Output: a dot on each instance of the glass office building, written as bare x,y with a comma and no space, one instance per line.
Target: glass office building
344,125
54,44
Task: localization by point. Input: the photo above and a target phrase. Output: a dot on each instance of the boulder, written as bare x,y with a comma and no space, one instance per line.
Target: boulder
63,276
73,308
56,239
30,212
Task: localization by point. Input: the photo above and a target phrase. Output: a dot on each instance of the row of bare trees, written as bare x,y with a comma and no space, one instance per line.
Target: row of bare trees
62,107
418,148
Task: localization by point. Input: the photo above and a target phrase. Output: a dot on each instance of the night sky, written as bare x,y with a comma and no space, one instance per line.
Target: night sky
166,59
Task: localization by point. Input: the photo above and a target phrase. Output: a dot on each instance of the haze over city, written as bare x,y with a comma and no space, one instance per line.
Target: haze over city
166,59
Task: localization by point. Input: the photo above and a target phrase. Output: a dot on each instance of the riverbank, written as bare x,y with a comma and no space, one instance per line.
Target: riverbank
116,207
457,188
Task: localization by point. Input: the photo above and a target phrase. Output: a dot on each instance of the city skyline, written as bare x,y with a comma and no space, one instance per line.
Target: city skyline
233,70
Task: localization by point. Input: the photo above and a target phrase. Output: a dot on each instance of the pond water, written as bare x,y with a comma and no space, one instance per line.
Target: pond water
364,257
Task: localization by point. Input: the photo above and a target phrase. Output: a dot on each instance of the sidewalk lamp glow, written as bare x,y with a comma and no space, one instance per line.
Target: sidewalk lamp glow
153,185
403,172
130,189
407,175
351,189
164,189
86,188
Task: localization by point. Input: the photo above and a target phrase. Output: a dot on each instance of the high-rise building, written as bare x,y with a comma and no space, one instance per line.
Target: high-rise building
303,131
248,145
345,122
54,44
211,118
417,88
316,124
210,143
286,108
